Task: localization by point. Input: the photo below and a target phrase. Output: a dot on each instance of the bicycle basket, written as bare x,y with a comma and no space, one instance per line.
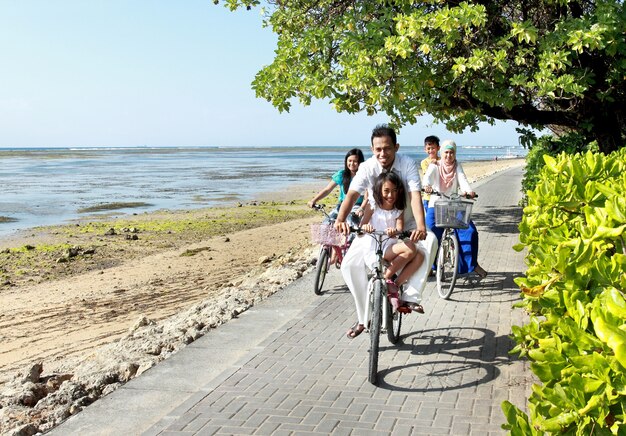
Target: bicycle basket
325,234
453,214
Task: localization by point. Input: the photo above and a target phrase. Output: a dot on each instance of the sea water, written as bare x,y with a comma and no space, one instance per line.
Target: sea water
43,186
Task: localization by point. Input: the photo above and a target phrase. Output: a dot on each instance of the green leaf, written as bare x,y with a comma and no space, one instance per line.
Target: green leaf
615,304
550,163
603,232
519,247
616,208
611,335
606,190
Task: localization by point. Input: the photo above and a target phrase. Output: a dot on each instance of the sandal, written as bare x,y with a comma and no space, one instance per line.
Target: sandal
411,307
480,271
355,330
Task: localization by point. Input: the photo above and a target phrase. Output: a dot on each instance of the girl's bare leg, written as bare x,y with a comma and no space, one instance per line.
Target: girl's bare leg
410,268
399,255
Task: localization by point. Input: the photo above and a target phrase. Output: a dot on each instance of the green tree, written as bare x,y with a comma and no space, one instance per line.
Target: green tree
551,63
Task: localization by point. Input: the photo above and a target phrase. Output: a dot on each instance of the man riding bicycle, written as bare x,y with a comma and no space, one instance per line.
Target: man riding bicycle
353,268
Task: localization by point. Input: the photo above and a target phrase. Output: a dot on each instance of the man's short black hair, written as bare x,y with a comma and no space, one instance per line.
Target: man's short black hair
384,130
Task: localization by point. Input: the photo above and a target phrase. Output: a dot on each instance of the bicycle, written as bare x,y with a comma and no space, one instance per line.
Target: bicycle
330,240
450,214
379,309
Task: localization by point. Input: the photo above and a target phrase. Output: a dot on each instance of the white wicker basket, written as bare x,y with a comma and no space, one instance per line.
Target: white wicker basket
453,214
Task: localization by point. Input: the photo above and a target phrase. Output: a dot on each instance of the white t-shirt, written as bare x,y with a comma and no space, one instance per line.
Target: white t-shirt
403,166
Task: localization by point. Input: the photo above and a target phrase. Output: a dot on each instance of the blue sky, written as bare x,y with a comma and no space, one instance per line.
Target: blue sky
160,73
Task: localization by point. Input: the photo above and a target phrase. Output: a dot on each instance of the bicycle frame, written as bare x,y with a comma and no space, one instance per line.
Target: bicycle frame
378,274
377,305
448,255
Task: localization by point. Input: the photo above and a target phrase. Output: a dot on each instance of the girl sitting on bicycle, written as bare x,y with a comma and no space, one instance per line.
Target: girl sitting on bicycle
386,213
447,176
343,178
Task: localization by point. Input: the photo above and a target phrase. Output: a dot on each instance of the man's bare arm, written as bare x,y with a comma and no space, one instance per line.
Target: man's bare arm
417,206
346,206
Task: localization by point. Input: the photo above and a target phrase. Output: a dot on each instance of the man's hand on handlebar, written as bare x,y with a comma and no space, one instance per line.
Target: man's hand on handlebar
418,234
367,228
342,227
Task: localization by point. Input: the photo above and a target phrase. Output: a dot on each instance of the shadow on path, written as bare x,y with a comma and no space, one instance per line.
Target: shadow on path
496,287
450,358
500,220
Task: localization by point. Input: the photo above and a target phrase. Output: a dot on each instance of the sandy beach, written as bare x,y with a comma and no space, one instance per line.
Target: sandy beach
67,291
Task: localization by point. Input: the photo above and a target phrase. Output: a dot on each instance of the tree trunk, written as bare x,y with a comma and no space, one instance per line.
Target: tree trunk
607,130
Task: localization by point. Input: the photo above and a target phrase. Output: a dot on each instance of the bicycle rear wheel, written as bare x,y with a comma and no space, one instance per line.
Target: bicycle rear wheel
394,322
321,269
447,264
375,326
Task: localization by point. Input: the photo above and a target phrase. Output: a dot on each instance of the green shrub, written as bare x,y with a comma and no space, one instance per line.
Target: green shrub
551,145
573,228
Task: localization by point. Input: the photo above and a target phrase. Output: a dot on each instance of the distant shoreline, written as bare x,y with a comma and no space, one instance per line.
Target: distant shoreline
475,170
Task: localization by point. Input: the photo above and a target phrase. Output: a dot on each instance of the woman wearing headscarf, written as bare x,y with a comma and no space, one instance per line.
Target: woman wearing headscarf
447,176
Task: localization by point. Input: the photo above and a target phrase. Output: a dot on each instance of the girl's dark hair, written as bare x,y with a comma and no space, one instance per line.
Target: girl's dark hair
346,177
395,179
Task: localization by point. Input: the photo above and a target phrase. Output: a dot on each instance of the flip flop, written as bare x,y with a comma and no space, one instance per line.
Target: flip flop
418,308
411,307
480,272
355,330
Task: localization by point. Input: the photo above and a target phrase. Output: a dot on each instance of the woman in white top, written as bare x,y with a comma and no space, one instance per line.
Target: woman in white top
447,176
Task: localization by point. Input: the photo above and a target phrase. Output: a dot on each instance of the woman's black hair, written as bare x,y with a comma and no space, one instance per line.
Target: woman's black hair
346,177
395,179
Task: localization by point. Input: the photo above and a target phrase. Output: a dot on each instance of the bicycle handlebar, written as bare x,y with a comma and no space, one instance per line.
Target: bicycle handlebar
401,235
322,209
453,196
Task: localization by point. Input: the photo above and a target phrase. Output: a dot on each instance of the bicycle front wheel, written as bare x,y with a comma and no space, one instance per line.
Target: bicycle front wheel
375,326
447,264
394,322
321,270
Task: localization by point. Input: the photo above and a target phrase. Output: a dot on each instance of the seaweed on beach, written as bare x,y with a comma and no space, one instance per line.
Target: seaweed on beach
7,219
36,261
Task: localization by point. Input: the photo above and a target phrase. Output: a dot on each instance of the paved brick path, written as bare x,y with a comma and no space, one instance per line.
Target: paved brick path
286,366
448,376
